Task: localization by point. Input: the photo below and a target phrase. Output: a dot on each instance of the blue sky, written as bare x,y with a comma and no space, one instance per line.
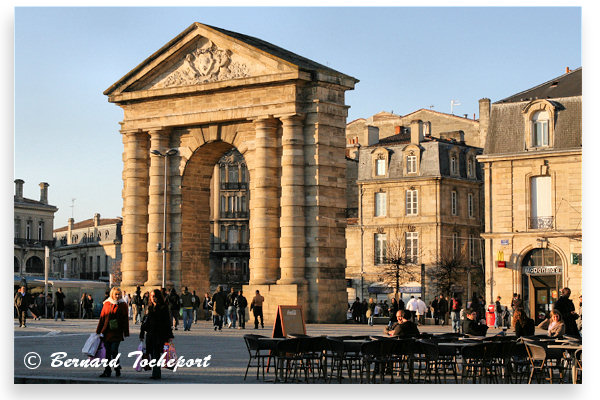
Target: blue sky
67,134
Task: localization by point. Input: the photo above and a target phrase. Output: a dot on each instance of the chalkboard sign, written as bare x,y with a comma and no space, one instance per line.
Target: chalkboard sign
289,321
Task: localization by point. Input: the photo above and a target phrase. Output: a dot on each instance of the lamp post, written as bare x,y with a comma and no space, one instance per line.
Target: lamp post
166,155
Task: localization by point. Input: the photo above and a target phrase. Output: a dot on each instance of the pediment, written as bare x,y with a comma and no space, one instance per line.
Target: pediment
201,55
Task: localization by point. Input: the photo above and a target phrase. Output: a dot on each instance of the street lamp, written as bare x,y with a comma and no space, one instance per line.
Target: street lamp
166,155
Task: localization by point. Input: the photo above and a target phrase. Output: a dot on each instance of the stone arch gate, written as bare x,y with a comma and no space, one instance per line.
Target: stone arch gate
209,90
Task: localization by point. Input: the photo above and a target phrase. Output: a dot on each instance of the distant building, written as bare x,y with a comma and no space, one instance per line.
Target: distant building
33,223
229,219
89,249
420,197
533,190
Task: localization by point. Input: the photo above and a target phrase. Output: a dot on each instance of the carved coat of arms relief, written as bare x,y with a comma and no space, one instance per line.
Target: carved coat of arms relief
204,63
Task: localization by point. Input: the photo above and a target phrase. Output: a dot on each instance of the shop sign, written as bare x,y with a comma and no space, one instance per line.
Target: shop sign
380,289
501,264
548,270
410,289
575,258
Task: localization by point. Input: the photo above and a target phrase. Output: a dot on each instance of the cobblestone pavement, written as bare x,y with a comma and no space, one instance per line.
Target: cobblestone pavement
228,352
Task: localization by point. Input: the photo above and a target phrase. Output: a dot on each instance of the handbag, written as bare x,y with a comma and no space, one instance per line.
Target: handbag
142,348
101,352
91,345
171,354
113,324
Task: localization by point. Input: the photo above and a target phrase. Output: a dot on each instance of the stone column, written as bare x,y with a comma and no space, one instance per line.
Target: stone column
135,208
293,240
158,141
264,206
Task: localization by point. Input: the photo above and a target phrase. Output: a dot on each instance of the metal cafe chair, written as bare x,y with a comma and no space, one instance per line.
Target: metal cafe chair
426,356
472,363
518,367
288,359
380,353
255,353
311,350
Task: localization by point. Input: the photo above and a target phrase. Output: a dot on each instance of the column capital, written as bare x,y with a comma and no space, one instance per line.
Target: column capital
265,121
131,132
161,130
291,119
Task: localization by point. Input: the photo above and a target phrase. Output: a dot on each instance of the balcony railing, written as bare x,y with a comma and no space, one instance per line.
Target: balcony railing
541,223
33,242
230,246
234,185
234,214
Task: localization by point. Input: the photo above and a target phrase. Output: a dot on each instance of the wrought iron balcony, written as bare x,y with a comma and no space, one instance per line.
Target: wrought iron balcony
234,214
33,242
230,246
541,223
234,185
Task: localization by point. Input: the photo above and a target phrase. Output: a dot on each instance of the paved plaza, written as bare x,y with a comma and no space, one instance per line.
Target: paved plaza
227,349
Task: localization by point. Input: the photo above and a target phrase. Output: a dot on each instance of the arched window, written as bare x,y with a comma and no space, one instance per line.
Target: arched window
41,230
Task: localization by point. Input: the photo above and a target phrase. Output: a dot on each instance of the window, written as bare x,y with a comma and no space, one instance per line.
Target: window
380,167
472,257
380,204
454,201
380,248
470,205
223,204
233,174
412,202
471,167
541,203
244,204
412,247
222,173
455,244
98,262
28,230
539,129
411,164
243,173
17,228
106,264
453,165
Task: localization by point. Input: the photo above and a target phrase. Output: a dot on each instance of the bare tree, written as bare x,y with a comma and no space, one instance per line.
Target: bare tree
448,270
399,263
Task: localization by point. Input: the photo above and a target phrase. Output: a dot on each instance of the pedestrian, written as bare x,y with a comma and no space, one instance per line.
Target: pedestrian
156,328
516,303
567,310
196,306
498,313
86,307
49,306
356,310
436,310
231,312
363,311
146,302
401,304
392,312
22,303
127,300
187,303
455,307
412,307
580,312
370,311
40,305
59,304
442,309
90,306
240,305
174,304
257,307
218,307
113,325
206,307
421,310
137,306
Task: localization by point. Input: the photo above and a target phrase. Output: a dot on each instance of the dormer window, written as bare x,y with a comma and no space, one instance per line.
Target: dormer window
380,167
411,164
539,129
453,165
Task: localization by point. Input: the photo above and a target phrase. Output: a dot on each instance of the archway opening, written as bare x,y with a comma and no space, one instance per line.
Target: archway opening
17,265
34,265
542,279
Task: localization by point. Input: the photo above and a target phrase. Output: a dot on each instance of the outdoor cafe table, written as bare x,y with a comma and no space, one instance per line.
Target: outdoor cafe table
571,348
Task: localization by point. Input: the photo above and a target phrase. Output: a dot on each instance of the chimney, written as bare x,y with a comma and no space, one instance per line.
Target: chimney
70,224
44,192
69,230
484,120
397,129
567,70
96,219
416,131
370,136
19,188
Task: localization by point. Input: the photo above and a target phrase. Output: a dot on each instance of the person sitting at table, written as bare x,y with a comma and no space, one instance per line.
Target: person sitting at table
523,325
471,326
557,326
403,327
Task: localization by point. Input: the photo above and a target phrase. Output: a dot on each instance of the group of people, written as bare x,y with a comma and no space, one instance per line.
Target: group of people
25,303
363,312
231,308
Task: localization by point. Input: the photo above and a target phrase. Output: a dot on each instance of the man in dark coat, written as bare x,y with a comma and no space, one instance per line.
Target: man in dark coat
471,326
404,326
436,310
240,305
218,307
59,304
22,303
567,310
356,310
442,308
174,304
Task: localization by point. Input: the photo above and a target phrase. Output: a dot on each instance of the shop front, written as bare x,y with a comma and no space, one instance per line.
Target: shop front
542,271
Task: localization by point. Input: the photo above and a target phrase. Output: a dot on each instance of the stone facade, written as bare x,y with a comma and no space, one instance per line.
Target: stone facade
33,224
533,207
89,249
208,91
405,189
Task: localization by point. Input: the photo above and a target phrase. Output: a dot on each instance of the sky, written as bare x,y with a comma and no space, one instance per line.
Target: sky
67,134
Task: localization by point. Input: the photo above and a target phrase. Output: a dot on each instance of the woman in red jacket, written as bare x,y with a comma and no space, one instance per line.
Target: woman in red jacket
114,326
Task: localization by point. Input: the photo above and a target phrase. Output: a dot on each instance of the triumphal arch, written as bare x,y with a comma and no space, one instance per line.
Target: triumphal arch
205,92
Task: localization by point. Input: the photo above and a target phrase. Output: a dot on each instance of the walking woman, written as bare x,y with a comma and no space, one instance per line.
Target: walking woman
157,327
114,326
